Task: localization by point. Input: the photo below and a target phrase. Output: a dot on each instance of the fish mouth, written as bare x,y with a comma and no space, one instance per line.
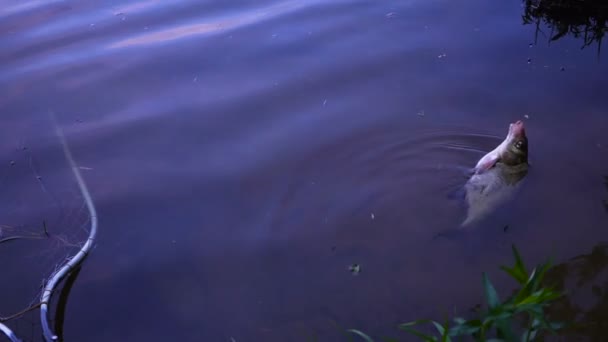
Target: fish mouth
517,129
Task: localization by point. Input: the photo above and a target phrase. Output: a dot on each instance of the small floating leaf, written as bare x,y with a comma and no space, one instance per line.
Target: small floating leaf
355,269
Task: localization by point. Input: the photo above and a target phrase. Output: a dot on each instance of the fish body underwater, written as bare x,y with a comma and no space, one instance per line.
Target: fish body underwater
497,176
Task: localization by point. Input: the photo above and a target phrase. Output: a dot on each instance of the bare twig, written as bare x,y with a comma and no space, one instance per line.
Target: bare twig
77,259
11,238
20,313
44,235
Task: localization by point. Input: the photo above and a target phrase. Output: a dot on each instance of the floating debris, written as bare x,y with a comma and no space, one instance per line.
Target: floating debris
443,55
562,69
355,269
373,216
526,116
324,102
529,60
391,15
420,113
12,162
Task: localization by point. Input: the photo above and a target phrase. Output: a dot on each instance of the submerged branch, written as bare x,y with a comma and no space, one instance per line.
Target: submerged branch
77,259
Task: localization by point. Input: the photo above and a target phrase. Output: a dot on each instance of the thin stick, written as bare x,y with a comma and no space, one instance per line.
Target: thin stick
9,333
17,237
20,313
77,259
33,236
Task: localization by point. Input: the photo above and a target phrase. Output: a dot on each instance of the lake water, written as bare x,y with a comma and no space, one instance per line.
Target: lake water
243,154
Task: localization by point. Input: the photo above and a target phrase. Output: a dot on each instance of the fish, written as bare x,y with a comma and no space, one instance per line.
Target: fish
497,176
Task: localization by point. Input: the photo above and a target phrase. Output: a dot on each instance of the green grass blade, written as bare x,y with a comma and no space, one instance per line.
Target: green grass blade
541,275
466,328
425,337
519,264
518,271
361,334
515,274
490,291
443,332
459,320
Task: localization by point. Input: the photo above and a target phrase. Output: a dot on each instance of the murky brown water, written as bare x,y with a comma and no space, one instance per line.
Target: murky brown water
243,154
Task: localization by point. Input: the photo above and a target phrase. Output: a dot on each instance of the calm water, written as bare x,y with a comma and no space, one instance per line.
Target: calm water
243,154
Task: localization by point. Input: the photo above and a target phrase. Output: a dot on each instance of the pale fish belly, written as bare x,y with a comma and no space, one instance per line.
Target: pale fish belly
490,190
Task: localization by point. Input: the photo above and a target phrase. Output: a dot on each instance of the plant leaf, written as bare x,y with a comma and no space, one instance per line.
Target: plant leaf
518,271
526,290
459,320
467,328
425,337
443,331
540,297
529,335
515,274
491,295
504,329
541,275
361,334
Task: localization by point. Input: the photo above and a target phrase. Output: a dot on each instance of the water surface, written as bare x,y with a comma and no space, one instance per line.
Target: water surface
243,154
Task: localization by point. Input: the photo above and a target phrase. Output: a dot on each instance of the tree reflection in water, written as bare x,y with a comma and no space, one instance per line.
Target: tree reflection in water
584,19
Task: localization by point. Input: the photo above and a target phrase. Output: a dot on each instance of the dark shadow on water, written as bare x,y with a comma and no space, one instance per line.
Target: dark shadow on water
63,302
584,279
586,19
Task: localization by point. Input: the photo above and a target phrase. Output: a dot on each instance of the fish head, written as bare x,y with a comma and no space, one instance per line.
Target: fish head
515,149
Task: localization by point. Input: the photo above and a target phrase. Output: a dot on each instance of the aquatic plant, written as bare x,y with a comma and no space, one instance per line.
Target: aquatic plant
527,305
580,18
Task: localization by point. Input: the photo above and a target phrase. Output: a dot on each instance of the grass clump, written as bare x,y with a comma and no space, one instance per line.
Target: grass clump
497,323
